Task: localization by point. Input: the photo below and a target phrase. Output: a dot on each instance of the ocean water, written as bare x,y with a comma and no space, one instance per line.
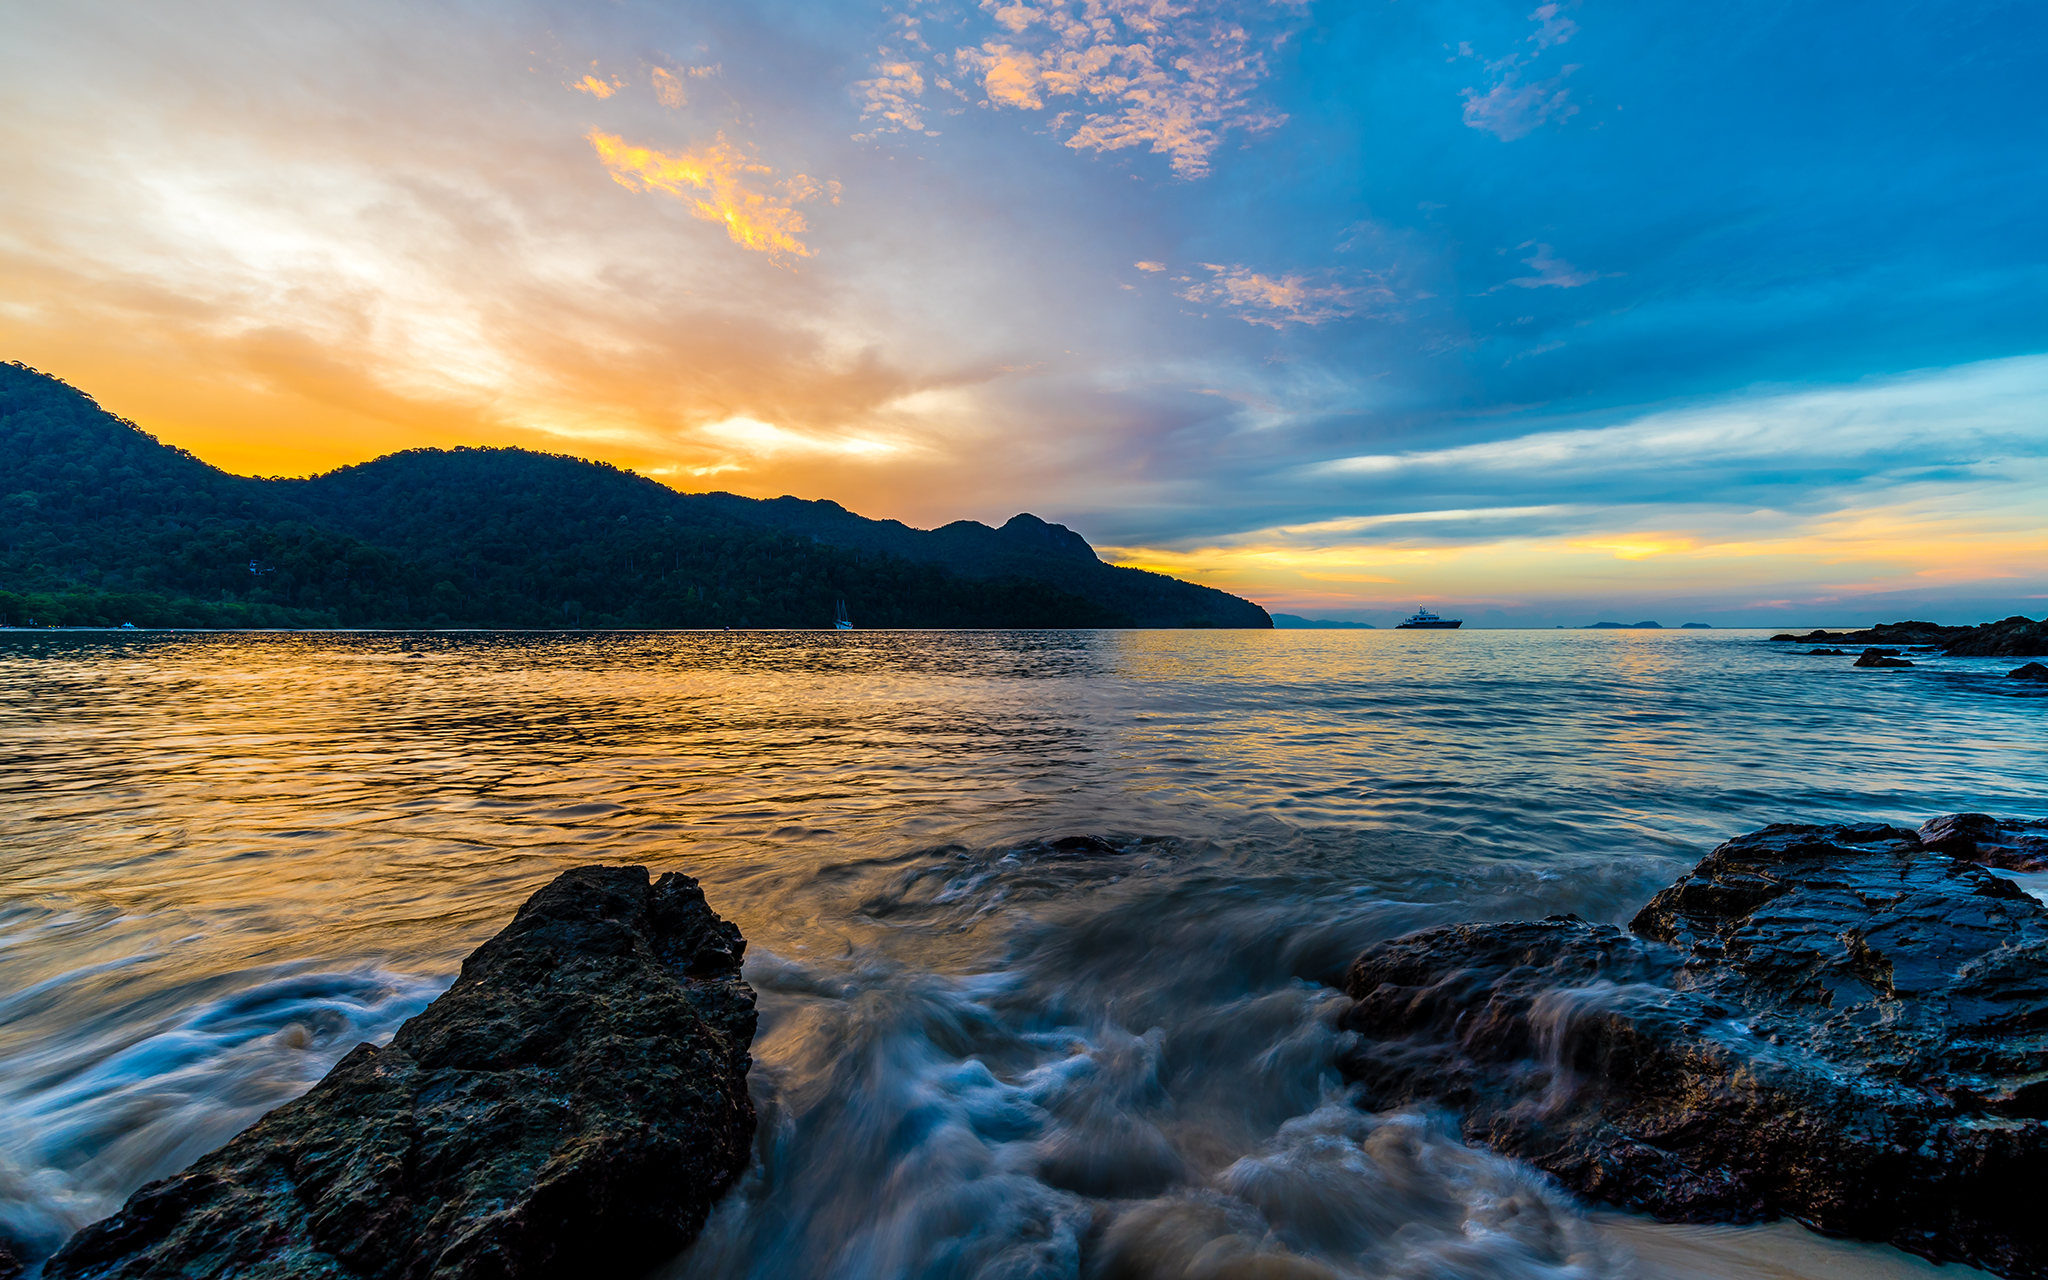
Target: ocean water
226,859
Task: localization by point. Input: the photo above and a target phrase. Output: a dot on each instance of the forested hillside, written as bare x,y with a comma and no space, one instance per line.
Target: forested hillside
101,524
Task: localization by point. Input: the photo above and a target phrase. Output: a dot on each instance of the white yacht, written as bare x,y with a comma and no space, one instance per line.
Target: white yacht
1424,620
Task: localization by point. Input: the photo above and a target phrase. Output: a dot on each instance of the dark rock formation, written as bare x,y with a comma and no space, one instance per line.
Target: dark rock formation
1882,658
572,1106
2015,844
1834,652
2016,637
11,1263
1838,1024
2032,671
2013,638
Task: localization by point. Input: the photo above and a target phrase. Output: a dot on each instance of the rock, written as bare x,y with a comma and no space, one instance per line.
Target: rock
2016,637
1882,658
11,1262
2015,844
2032,671
1903,633
572,1106
1834,652
1836,1024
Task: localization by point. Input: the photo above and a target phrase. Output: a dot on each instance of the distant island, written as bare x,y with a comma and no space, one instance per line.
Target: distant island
1645,626
1292,622
101,524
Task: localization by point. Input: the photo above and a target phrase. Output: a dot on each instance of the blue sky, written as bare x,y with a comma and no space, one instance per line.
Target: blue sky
1539,312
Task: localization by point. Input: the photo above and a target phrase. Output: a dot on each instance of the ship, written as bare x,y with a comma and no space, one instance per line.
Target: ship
840,622
1424,620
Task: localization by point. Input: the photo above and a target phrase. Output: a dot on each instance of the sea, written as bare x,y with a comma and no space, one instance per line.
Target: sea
225,859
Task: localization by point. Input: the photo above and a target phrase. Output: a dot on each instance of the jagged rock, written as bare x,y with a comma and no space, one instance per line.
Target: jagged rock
11,1262
2032,671
572,1106
1882,658
2016,637
1832,652
2015,844
1833,1023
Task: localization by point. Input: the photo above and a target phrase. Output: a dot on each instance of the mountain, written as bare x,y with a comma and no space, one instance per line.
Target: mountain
100,523
1290,622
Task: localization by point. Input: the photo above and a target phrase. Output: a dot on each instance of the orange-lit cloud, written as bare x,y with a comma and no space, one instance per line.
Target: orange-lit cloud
595,87
719,184
668,90
1276,301
1169,80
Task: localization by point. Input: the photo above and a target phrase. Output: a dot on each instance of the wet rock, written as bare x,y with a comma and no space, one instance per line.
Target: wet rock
1882,658
2016,637
12,1263
1836,1023
2032,671
2014,844
572,1106
1833,652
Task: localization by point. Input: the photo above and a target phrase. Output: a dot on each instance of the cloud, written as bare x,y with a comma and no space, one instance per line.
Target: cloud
765,220
1276,301
668,90
1976,424
1553,272
890,100
1149,266
1555,28
595,87
1169,77
1510,110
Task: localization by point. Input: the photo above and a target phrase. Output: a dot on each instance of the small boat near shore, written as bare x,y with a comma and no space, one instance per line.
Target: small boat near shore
1424,620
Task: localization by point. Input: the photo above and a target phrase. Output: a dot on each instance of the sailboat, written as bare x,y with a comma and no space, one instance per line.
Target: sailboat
840,622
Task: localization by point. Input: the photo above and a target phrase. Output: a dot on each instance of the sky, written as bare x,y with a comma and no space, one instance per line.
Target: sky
1534,314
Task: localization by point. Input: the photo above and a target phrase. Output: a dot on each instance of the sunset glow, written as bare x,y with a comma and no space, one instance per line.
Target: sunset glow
1341,309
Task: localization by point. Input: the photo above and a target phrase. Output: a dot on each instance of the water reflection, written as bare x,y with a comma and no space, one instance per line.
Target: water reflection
230,856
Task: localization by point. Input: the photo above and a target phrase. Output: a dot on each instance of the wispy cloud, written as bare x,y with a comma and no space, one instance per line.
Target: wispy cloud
1554,27
1553,272
1511,108
719,184
668,88
1277,301
595,87
1167,76
889,101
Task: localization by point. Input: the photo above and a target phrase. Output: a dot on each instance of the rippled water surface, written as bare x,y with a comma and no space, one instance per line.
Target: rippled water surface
229,858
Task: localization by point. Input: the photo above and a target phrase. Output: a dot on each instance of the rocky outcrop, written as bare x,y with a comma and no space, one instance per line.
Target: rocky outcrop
2032,671
2013,844
572,1106
1881,658
1841,1024
2015,637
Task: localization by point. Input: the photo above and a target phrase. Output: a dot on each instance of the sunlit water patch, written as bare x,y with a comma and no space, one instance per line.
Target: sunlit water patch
1044,924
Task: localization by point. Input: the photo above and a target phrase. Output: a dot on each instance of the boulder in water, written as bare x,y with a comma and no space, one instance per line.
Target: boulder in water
572,1106
1882,658
1838,1024
2032,671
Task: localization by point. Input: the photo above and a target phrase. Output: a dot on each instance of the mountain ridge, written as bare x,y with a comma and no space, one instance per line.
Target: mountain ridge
97,517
